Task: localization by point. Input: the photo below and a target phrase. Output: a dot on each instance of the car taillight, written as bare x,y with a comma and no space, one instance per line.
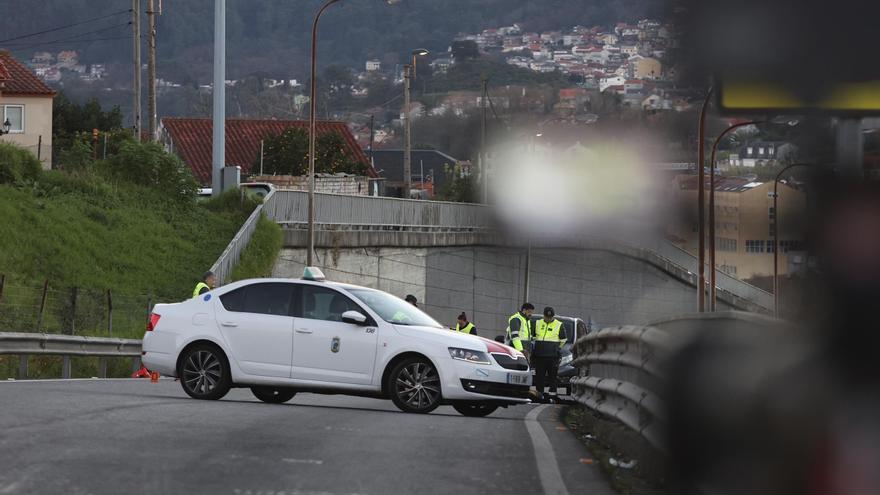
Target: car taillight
154,320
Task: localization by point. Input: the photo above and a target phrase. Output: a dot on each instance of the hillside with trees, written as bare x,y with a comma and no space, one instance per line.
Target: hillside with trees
272,37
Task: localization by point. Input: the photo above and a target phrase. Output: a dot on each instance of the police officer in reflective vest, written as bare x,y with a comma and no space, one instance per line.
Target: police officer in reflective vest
208,282
464,326
549,338
518,328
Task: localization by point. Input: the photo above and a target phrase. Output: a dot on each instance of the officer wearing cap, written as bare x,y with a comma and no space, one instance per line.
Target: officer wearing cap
549,337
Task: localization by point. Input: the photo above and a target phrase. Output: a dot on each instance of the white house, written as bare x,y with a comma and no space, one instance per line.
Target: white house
607,82
26,106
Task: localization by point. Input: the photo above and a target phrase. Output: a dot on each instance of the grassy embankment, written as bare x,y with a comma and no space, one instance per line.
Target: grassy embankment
95,231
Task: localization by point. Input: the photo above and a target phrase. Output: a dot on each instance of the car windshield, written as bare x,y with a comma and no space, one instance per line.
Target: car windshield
392,309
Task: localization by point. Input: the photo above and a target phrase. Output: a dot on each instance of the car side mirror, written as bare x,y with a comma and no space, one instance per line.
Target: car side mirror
354,318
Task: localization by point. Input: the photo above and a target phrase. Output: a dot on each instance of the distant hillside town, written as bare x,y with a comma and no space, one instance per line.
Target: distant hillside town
627,59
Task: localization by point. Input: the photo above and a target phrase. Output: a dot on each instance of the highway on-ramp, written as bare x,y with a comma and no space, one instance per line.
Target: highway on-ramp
132,436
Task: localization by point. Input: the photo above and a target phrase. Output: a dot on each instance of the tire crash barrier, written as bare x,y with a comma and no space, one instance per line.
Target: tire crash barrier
619,377
66,346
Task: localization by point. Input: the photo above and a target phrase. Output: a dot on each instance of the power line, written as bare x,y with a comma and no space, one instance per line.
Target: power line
19,48
59,28
73,37
389,101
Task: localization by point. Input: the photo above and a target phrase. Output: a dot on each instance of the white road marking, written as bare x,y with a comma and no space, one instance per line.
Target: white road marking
548,468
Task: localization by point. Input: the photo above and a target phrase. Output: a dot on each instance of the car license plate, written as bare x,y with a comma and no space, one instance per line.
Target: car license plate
517,379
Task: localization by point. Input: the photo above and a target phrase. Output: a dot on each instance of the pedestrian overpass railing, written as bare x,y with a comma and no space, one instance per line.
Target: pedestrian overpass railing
224,265
292,207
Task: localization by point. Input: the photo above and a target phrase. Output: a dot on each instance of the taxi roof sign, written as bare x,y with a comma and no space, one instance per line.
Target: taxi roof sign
313,273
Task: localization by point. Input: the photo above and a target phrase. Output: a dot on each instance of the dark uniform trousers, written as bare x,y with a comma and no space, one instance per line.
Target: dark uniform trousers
545,371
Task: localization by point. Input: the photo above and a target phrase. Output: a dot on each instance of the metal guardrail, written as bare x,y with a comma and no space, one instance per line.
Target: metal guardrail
620,378
224,265
27,344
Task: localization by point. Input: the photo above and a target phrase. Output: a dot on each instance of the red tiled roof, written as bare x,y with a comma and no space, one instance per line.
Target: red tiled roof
4,74
20,80
192,140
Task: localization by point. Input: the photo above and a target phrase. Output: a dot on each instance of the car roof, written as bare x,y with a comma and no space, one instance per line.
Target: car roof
339,285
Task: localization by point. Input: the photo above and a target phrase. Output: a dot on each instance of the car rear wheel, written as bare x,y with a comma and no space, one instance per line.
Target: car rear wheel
273,395
474,409
204,372
414,385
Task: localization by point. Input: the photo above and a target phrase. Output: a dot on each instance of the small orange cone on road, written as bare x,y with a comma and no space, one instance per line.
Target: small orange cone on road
154,377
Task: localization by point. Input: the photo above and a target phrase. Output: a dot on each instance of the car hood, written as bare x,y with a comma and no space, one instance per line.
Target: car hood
442,336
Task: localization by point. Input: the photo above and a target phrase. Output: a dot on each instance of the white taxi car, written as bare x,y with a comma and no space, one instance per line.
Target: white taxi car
283,336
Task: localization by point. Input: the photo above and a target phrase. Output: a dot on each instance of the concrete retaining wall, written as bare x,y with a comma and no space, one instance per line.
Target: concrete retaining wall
487,283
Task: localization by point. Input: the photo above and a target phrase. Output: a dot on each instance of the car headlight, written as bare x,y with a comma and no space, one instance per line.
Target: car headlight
566,359
476,357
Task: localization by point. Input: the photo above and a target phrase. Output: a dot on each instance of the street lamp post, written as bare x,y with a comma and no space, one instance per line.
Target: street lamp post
418,52
407,135
712,274
701,204
712,293
313,109
776,235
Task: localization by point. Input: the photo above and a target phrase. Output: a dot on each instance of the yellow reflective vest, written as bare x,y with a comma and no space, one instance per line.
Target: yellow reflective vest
516,337
549,332
199,287
464,329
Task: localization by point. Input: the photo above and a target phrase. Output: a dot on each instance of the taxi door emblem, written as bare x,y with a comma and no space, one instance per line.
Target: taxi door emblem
334,344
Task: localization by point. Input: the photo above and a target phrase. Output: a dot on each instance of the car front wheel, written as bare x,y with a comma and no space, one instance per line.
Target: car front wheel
204,372
273,395
474,409
414,386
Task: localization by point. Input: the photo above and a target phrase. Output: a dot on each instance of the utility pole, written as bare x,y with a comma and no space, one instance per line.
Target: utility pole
151,71
136,36
407,144
219,96
372,136
484,104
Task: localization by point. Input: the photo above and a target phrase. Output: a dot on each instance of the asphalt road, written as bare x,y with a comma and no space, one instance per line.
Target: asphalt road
133,436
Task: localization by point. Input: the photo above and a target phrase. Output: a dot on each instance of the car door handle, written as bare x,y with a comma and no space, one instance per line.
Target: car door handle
303,330
229,324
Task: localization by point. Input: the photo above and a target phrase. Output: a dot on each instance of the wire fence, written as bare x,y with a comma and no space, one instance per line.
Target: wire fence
44,308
